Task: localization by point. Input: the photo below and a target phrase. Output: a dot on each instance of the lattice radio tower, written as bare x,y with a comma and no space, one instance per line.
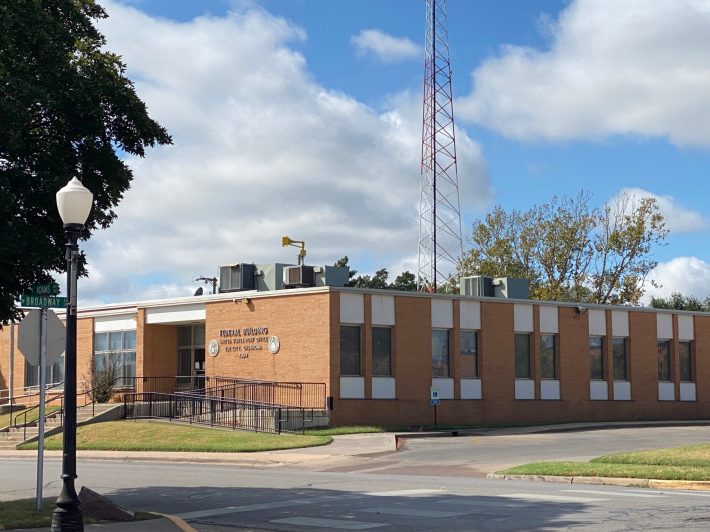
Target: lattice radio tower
440,243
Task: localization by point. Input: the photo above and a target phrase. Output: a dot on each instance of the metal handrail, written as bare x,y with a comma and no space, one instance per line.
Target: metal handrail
15,398
215,411
250,393
25,412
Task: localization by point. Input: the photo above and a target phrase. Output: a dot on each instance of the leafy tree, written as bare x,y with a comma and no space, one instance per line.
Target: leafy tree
678,301
568,250
379,280
627,232
67,109
405,281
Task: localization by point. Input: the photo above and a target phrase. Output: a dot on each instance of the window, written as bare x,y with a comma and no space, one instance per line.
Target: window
522,356
440,353
548,357
55,373
596,358
664,360
686,361
116,351
381,351
469,354
620,369
350,350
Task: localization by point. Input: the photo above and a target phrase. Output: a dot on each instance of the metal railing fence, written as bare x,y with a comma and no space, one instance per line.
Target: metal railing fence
285,394
216,412
218,401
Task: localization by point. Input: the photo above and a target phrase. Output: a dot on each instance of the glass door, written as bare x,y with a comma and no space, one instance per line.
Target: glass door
191,356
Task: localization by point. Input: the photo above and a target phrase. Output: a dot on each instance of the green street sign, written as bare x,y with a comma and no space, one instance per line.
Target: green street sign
32,300
46,289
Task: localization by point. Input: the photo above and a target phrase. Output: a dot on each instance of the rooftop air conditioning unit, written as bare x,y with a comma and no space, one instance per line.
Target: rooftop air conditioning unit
478,286
237,278
511,288
299,276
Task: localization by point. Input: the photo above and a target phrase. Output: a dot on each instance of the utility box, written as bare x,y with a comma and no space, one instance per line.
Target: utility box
511,288
332,276
270,276
236,278
477,285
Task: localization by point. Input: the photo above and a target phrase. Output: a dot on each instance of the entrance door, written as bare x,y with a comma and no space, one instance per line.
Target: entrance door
191,355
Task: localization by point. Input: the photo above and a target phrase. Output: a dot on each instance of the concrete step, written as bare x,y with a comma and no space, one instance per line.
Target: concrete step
18,438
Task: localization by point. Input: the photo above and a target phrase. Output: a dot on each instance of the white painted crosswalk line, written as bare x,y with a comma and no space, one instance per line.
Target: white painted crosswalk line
246,508
404,493
411,512
688,493
618,493
342,524
551,498
499,503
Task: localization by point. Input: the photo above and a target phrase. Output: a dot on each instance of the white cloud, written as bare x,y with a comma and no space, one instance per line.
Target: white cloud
689,276
384,47
612,68
678,218
260,151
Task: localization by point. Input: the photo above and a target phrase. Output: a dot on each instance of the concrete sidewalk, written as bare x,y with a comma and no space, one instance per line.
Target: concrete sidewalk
349,445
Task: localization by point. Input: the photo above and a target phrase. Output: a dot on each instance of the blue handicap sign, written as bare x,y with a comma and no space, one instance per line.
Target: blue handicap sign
435,402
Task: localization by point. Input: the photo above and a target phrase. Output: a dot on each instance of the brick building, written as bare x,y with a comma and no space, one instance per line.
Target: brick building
380,352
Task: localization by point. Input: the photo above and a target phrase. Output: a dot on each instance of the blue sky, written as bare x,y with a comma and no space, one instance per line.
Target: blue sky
287,120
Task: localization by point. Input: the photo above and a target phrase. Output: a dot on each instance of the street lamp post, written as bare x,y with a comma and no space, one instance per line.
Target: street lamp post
74,204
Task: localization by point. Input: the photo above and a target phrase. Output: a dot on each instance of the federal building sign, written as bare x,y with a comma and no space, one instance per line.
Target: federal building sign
244,340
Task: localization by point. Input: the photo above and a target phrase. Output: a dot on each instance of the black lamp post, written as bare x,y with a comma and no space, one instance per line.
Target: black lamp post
74,204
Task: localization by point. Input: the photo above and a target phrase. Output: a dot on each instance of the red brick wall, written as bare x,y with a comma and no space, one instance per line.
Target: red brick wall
156,348
302,324
85,346
308,327
497,366
84,352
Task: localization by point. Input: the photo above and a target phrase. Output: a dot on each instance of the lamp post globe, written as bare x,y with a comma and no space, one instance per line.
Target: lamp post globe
74,202
74,205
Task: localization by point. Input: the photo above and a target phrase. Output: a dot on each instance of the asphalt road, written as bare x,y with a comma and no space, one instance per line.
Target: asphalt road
500,450
432,484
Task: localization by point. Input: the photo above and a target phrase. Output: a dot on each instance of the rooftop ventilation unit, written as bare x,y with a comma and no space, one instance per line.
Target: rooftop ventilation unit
332,276
299,276
237,278
511,288
478,286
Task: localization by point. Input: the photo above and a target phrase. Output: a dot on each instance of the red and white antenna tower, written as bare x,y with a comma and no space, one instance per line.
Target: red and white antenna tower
440,244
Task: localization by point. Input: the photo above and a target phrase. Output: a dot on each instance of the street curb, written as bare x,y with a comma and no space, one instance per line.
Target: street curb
412,435
621,425
699,485
179,522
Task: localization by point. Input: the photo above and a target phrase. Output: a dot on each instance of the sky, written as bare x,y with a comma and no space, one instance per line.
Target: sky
303,118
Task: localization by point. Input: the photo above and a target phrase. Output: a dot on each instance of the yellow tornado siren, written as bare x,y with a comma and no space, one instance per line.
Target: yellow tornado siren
286,241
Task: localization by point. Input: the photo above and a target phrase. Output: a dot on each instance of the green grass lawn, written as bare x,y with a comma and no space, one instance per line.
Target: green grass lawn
677,463
23,514
6,419
160,436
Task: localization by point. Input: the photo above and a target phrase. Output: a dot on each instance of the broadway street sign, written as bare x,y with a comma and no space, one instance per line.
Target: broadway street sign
32,300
